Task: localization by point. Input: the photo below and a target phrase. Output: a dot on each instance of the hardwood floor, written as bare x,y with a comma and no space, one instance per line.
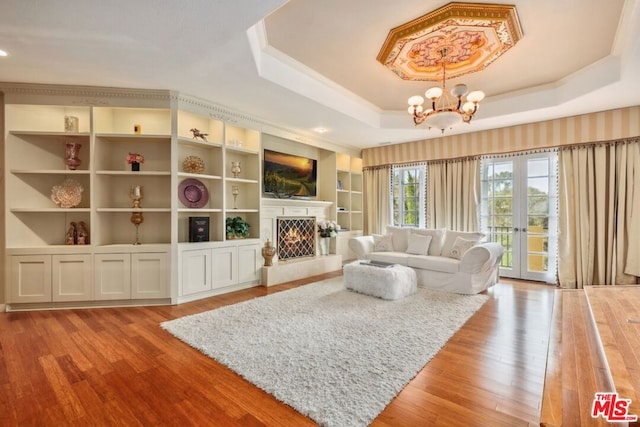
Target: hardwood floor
118,367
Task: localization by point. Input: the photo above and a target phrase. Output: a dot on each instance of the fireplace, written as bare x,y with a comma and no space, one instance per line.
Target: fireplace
296,237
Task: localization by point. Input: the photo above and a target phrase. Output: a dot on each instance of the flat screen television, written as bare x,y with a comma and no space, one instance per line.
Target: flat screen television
287,175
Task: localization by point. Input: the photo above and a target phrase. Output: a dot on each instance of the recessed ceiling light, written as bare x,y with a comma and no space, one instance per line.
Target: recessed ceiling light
3,53
320,129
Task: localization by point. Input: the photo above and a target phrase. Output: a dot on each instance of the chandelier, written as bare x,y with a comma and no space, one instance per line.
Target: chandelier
447,108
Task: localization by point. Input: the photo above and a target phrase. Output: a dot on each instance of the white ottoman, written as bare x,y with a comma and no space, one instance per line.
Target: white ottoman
388,283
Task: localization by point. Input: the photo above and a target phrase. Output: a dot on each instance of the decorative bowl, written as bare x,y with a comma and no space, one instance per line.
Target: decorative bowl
193,164
68,194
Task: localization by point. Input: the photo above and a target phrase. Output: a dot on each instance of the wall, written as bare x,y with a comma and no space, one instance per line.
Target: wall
602,126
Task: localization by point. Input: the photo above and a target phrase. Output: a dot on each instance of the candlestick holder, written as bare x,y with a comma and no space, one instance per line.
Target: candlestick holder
135,194
235,191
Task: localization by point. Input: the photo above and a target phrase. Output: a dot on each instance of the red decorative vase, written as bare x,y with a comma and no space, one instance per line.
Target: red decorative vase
71,155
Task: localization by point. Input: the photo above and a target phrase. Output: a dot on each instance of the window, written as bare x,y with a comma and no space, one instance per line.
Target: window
408,185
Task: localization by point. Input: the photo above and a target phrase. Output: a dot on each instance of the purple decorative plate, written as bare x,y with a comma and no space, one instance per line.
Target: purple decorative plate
193,193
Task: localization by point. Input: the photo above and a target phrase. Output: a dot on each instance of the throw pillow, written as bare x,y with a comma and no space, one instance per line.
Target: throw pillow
382,243
451,236
435,248
460,246
399,236
418,244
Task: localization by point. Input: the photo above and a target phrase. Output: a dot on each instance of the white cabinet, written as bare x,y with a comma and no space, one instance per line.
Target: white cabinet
149,275
224,266
249,262
112,276
30,278
50,278
196,271
71,277
122,276
219,267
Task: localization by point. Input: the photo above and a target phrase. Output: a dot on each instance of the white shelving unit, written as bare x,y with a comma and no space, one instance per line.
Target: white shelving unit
347,197
43,271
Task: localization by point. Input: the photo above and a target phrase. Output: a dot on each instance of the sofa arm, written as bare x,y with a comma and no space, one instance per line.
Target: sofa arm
361,245
481,257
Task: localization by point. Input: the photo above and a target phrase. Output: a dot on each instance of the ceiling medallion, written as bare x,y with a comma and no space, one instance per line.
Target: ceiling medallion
473,35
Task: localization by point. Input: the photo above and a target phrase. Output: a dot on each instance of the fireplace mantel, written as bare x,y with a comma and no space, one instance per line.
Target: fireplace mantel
269,202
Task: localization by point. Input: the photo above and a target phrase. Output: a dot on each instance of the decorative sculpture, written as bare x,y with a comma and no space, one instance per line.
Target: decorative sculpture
197,134
83,234
268,251
71,234
135,193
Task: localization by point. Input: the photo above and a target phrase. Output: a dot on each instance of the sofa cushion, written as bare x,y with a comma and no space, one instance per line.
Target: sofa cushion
434,263
418,244
450,239
460,246
400,237
435,248
382,243
394,257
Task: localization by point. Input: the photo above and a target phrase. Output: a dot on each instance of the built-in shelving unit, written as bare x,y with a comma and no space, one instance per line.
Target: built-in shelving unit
43,270
347,198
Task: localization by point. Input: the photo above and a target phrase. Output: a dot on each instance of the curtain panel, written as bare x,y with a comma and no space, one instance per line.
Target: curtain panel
377,199
599,207
453,194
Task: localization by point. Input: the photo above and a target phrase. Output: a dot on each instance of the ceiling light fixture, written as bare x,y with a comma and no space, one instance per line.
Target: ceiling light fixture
446,109
3,53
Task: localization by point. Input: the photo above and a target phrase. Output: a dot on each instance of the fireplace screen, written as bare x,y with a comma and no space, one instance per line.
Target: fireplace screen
296,237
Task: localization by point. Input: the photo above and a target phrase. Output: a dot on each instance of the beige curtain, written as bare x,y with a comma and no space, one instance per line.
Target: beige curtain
453,194
599,209
377,184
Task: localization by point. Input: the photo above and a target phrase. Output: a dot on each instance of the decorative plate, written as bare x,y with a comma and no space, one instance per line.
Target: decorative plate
193,193
68,194
193,164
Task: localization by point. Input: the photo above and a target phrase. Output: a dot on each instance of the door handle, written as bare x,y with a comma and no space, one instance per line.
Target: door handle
524,230
516,229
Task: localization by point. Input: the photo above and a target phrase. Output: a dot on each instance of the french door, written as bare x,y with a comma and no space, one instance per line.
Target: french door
518,210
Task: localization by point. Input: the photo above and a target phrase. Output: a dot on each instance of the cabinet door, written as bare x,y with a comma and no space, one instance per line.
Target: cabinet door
149,275
196,271
30,278
249,262
112,276
224,266
71,277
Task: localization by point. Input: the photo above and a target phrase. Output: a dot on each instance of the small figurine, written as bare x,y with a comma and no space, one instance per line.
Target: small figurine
197,134
83,234
71,234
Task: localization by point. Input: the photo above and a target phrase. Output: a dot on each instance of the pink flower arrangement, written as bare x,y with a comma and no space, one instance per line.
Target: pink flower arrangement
135,158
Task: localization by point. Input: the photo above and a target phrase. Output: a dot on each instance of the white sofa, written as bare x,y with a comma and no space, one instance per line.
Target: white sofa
444,260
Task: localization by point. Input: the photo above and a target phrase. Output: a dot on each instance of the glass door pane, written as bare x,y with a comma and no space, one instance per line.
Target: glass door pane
518,211
497,211
541,202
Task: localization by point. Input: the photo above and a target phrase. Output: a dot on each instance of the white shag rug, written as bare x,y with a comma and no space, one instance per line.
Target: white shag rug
334,355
